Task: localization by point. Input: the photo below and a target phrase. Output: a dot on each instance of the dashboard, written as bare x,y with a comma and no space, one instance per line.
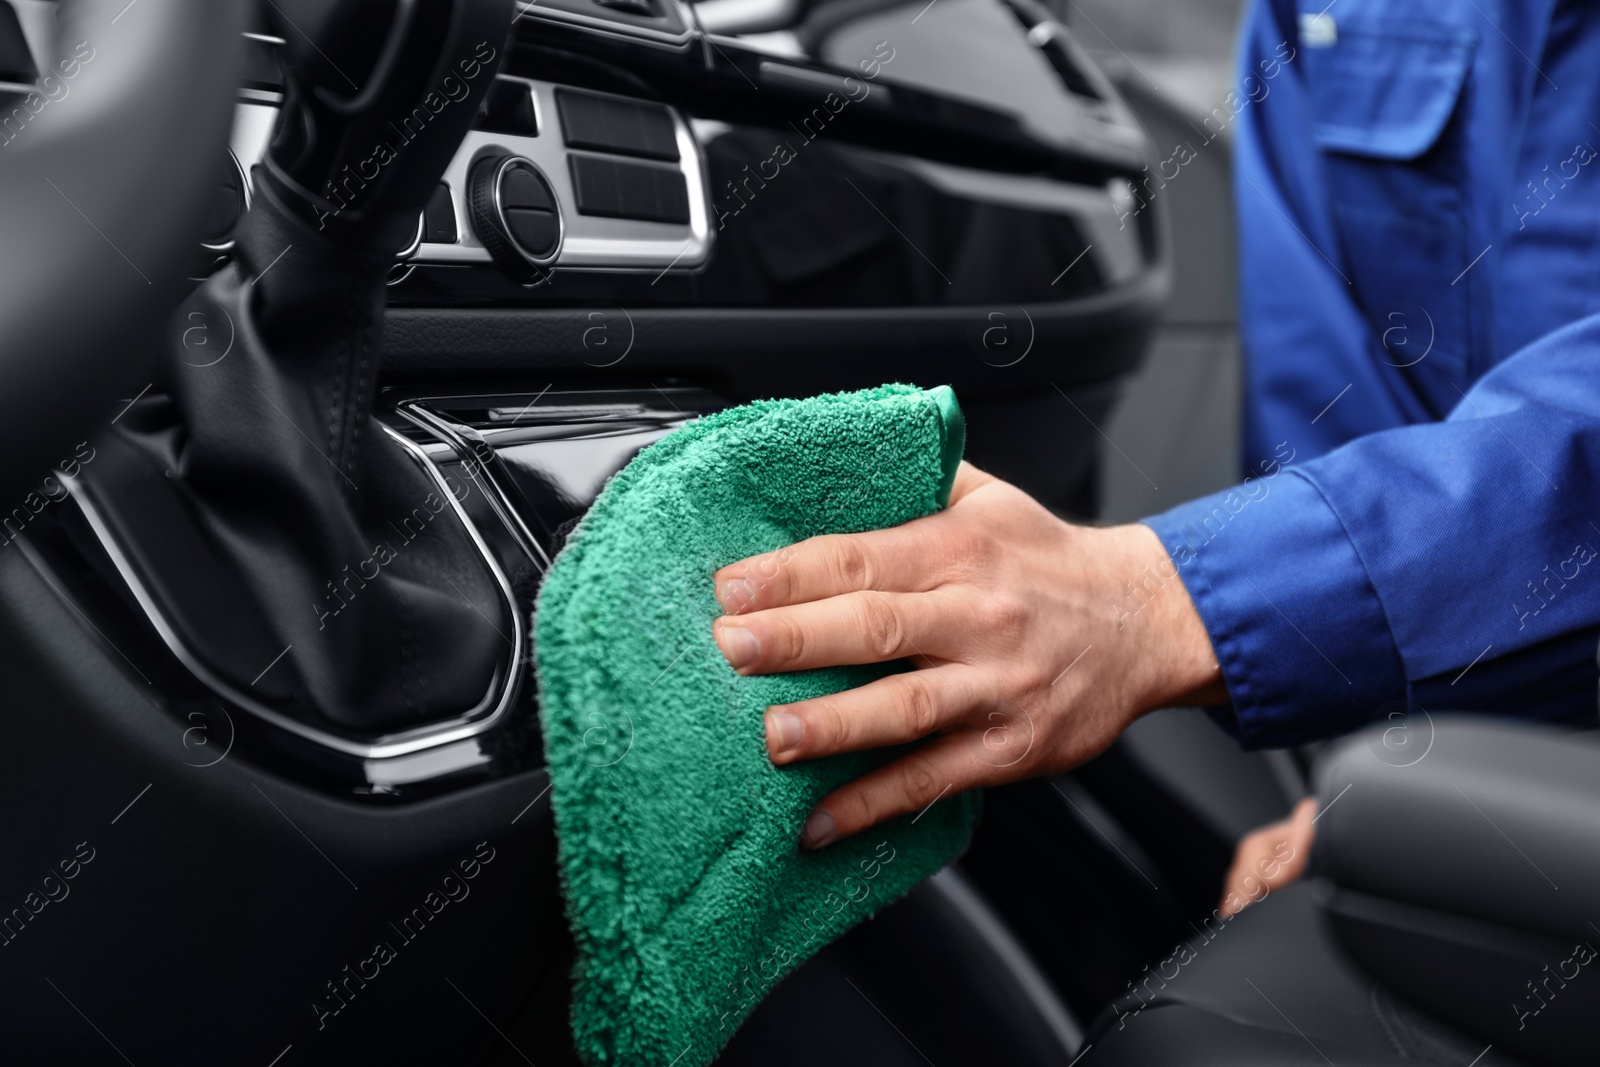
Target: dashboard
667,165
952,181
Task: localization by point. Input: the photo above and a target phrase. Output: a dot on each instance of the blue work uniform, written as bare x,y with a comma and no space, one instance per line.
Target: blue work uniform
1418,189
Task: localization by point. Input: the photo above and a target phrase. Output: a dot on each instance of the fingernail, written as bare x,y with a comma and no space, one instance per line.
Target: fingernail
735,594
739,646
783,731
820,830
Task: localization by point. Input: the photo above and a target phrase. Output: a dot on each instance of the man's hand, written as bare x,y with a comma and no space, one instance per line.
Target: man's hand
1269,858
1037,643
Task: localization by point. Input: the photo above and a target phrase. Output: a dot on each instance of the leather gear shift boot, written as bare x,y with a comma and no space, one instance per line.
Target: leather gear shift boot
269,512
351,550
297,553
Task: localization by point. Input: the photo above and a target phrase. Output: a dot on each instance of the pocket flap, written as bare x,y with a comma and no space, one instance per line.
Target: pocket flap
1385,88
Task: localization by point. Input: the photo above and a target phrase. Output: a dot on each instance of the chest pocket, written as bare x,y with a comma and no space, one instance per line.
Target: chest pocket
1384,91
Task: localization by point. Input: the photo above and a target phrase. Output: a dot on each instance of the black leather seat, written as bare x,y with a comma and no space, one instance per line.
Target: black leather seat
1270,987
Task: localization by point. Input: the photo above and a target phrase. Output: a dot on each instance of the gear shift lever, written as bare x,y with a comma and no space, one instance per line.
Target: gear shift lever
289,522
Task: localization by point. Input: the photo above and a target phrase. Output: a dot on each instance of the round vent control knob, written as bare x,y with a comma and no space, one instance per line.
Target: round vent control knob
516,216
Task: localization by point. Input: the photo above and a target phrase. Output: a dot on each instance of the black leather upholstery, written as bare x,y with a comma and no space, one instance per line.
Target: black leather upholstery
1467,876
1496,817
1453,910
1270,986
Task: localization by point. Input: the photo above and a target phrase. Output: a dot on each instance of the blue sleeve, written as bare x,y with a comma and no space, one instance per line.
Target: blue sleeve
1449,565
1308,347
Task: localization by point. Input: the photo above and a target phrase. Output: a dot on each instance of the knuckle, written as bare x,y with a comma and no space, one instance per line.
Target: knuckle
850,564
986,613
919,782
831,726
1036,677
968,552
1006,613
856,809
916,696
769,576
763,569
881,626
788,641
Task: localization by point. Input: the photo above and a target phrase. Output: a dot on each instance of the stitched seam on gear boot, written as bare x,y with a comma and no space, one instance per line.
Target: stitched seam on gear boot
408,666
359,414
336,403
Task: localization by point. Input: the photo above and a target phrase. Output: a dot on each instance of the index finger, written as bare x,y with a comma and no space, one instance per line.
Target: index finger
902,559
892,560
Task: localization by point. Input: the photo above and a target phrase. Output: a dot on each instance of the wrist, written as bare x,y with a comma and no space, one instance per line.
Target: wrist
1173,658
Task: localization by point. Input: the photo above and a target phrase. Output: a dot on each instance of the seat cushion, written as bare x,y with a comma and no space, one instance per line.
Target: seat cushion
1269,986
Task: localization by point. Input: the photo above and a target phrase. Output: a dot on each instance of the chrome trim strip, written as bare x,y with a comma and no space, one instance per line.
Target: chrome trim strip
261,96
416,242
435,423
614,28
388,746
746,16
244,192
424,766
253,122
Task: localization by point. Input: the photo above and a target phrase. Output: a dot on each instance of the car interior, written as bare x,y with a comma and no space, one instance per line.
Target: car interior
618,216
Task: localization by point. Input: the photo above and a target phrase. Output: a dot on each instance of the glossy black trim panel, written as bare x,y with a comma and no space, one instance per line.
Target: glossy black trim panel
752,353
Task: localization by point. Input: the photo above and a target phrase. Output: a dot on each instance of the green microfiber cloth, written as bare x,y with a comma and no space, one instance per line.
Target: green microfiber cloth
687,890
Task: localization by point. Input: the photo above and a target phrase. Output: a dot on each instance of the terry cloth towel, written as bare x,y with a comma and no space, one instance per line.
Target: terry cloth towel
687,891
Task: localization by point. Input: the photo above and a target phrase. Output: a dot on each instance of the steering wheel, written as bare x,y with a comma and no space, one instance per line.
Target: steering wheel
105,177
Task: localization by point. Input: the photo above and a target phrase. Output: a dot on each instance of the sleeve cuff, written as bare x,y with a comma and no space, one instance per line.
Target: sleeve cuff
1303,642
